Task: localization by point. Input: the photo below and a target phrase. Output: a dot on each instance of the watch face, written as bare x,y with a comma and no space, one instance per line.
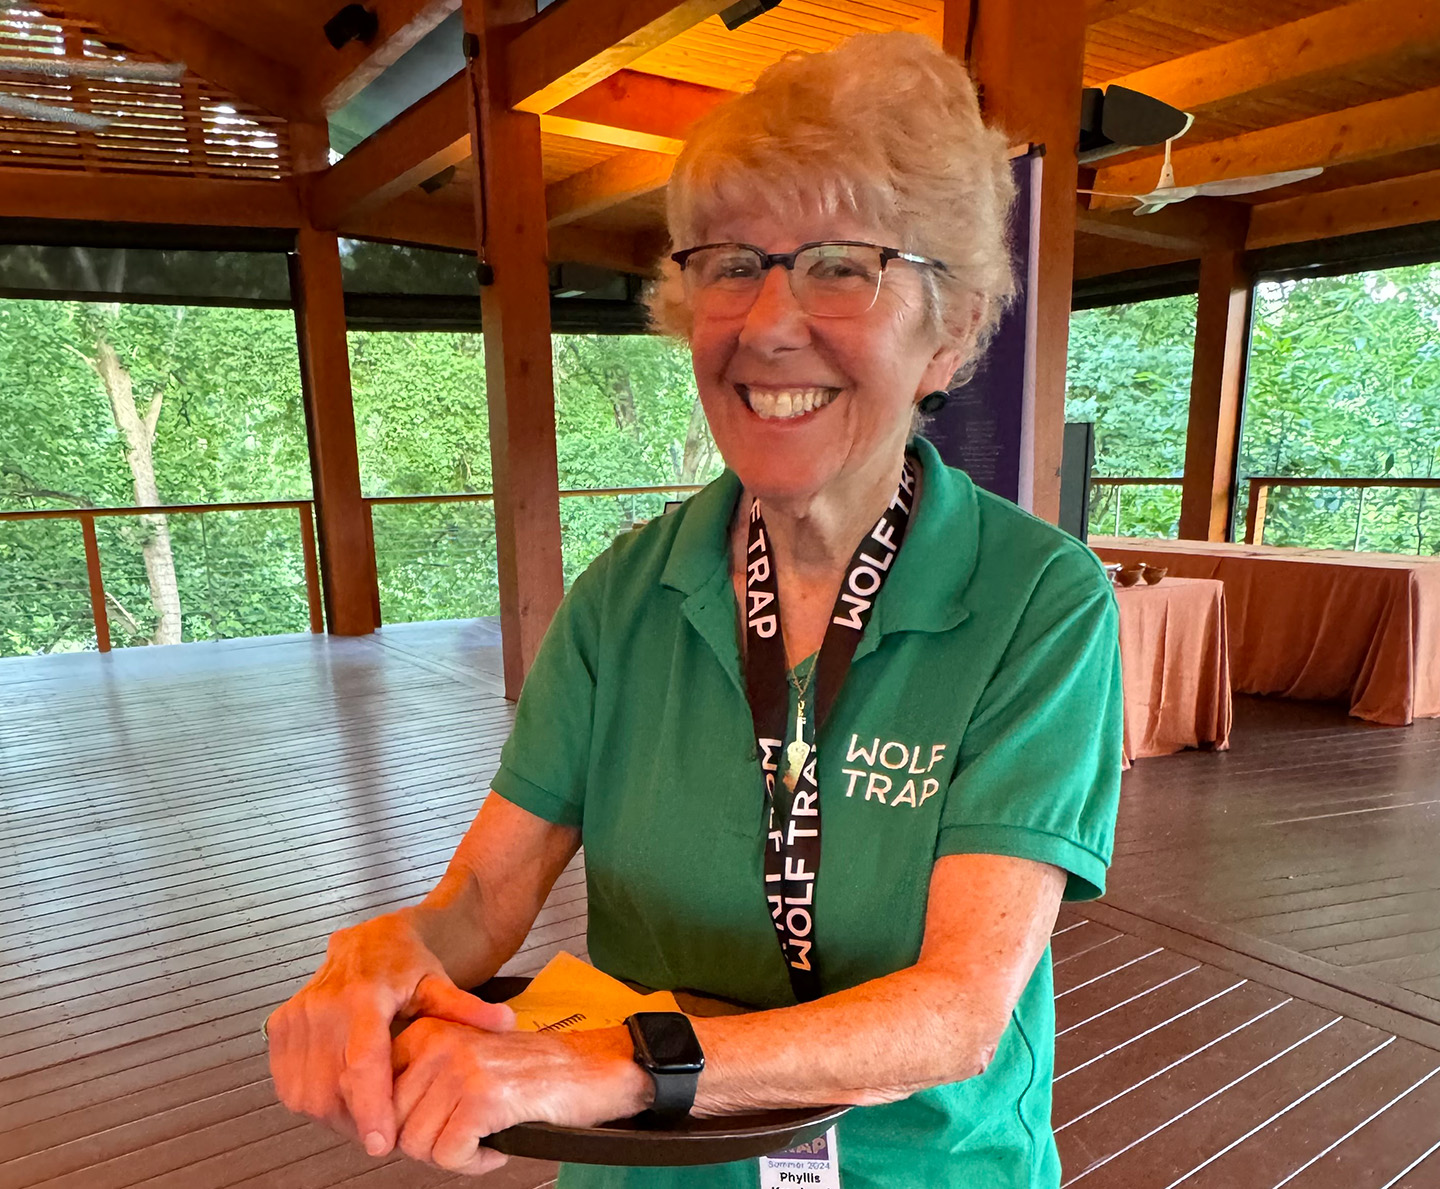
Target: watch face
670,1040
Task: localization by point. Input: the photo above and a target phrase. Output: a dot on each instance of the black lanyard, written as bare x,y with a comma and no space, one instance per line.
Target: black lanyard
792,849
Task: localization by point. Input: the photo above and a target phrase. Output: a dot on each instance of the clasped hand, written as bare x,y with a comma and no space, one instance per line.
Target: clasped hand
455,1085
456,1074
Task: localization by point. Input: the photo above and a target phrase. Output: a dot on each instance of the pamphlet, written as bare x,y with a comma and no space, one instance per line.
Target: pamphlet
570,995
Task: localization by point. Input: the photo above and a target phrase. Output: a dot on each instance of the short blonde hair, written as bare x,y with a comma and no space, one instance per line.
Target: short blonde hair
885,128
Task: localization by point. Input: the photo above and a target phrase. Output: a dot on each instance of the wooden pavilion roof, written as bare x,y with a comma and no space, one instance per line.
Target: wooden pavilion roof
1275,85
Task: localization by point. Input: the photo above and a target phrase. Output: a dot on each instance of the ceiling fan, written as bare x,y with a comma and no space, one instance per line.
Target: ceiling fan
1166,192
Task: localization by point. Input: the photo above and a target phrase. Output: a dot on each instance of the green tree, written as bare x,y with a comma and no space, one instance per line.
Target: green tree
1344,380
114,405
1129,373
108,406
626,415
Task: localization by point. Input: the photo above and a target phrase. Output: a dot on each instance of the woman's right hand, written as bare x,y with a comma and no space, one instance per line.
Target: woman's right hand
330,1051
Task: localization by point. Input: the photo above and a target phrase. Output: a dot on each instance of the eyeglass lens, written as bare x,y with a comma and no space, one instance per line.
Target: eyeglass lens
828,280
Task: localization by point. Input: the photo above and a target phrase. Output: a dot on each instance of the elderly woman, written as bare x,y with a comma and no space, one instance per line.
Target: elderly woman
837,736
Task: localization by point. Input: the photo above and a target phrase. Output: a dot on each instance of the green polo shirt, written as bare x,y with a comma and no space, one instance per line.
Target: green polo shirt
982,714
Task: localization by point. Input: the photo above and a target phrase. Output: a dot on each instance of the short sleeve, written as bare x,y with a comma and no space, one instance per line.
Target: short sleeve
544,763
1039,771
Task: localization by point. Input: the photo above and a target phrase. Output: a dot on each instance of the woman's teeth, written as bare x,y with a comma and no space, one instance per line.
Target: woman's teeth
786,403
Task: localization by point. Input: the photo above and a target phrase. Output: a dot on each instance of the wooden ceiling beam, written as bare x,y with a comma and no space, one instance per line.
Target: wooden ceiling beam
1362,133
417,219
344,73
575,44
1185,227
1394,202
634,252
158,28
1325,44
137,198
625,176
1099,257
635,111
438,223
426,138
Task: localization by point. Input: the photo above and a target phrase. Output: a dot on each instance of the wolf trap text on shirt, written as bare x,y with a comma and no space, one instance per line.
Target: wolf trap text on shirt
895,773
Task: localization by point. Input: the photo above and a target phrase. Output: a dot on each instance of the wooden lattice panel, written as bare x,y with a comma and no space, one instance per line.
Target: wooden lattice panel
187,126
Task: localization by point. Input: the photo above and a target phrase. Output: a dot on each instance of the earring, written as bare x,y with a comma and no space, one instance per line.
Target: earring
934,402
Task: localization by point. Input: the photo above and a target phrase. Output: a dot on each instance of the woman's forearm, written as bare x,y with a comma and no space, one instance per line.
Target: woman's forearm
464,929
477,916
875,1043
879,1042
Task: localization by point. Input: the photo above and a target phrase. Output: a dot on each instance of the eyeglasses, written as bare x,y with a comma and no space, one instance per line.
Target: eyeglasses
830,279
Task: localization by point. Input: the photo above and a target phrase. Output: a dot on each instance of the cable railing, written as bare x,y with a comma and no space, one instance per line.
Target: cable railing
1258,507
434,554
204,584
1365,527
1119,483
433,557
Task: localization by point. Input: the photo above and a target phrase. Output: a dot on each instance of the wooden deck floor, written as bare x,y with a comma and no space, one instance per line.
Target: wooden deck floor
1179,1062
1316,834
180,829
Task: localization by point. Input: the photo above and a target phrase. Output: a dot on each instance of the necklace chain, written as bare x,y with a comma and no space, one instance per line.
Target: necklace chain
800,689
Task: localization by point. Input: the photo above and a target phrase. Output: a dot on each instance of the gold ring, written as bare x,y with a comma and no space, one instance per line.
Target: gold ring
265,1030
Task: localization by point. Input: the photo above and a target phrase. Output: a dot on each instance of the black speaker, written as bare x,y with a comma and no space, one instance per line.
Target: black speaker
1077,461
745,10
1118,119
354,22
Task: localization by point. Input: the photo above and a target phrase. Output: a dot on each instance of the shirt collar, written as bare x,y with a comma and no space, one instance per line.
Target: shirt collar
699,567
923,593
702,538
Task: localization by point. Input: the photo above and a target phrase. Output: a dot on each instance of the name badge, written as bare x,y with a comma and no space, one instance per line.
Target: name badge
815,1164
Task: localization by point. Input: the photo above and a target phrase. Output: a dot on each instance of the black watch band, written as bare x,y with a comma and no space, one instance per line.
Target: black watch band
666,1048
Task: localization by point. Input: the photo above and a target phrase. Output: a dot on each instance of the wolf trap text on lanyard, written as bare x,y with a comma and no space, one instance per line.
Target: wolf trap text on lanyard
792,851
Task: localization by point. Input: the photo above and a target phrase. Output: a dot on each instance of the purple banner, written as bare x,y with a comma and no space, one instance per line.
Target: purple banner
987,427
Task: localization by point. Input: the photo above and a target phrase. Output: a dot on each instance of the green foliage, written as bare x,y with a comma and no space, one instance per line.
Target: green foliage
1129,373
231,429
622,409
1343,380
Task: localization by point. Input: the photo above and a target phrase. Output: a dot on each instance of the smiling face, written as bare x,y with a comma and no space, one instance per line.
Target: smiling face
804,407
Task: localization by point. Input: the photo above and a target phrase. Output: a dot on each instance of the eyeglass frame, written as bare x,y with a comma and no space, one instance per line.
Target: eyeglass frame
769,260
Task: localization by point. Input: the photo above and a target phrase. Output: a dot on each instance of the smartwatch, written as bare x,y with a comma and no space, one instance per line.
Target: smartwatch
666,1048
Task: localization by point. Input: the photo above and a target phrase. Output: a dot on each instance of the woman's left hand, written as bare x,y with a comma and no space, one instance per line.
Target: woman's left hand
455,1085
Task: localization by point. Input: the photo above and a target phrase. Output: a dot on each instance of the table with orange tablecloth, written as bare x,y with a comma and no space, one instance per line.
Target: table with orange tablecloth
1359,628
1175,661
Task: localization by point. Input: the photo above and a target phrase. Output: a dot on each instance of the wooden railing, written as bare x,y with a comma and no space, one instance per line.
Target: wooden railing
1260,486
1119,482
86,518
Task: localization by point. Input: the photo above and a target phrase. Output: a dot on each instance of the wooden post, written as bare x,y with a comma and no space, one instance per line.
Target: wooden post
374,563
1217,391
1029,68
313,598
97,583
345,565
515,308
1255,513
